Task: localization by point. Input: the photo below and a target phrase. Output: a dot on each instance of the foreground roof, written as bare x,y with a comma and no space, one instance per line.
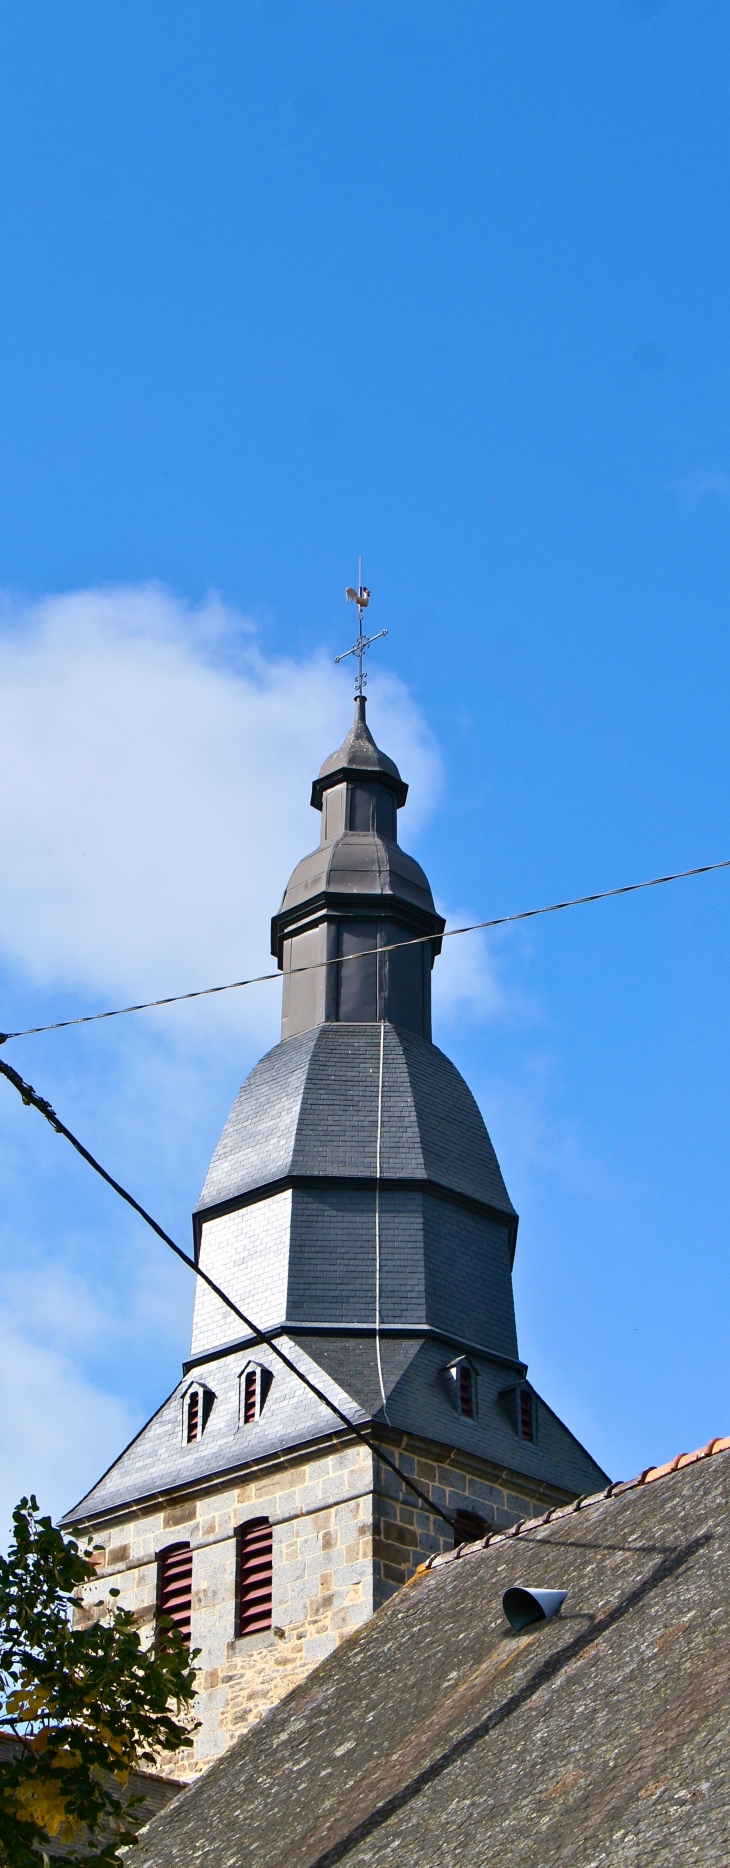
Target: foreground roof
435,1735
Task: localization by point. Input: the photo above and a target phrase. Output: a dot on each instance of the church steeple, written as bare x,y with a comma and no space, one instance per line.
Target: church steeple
354,901
354,1210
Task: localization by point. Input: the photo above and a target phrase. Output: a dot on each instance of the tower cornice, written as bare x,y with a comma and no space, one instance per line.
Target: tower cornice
333,905
318,1183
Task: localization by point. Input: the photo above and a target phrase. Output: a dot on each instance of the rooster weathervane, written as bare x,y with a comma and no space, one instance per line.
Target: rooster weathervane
361,597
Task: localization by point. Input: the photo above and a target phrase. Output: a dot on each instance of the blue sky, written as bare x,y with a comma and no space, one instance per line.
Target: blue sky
447,285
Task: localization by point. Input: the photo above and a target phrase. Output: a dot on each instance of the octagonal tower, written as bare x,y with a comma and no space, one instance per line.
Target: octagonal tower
355,1211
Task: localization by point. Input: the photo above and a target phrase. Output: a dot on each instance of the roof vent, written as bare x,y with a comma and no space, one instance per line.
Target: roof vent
523,1606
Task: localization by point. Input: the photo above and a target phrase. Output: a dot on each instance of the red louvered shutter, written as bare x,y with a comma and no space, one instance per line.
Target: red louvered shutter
193,1415
466,1403
249,1397
254,1576
175,1586
526,1414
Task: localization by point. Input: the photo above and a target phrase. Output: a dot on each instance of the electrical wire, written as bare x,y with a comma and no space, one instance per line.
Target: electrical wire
31,1097
377,1222
417,940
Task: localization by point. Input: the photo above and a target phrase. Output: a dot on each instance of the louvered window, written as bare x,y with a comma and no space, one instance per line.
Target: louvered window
198,1406
527,1428
249,1396
175,1586
468,1526
255,1385
253,1594
466,1391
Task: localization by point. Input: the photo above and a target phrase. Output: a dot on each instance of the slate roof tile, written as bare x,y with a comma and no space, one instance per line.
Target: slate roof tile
310,1107
598,1740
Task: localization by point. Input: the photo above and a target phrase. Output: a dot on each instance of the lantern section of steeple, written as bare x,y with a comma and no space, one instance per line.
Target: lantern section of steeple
357,931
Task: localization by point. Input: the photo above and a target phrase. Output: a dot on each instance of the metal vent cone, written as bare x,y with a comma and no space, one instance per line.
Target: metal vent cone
523,1606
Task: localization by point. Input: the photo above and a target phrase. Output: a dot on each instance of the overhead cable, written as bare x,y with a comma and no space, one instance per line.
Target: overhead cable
31,1097
417,940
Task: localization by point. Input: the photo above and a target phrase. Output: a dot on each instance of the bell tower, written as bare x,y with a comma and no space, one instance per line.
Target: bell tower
355,1210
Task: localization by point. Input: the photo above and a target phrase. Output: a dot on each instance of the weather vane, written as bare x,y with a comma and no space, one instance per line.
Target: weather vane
361,597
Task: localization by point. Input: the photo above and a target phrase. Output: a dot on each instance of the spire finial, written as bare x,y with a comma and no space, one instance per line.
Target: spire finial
361,597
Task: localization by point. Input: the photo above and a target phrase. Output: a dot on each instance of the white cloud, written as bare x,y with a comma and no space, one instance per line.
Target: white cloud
702,484
156,777
467,975
61,1430
154,800
543,1145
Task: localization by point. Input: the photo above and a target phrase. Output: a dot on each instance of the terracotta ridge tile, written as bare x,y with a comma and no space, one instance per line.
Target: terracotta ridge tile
614,1490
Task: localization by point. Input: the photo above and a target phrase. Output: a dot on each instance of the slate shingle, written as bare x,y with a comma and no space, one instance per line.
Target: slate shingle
310,1107
598,1740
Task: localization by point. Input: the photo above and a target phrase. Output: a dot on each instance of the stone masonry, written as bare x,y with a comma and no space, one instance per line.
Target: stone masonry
345,1537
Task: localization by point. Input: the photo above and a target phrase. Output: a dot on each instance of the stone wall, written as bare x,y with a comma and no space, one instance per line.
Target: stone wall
344,1539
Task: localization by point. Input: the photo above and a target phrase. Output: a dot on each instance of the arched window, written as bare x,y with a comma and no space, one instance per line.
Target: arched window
254,1577
468,1526
175,1586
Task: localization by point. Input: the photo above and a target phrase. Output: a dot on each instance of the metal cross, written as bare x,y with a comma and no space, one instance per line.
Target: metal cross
361,597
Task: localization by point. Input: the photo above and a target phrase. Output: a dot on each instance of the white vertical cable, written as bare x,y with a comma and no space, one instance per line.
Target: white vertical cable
377,1221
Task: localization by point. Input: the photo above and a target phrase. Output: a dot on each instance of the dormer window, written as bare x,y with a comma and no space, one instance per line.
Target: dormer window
462,1380
520,1406
466,1391
197,1408
254,1383
527,1415
250,1384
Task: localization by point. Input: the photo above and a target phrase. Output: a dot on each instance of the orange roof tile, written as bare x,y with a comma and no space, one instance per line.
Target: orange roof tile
647,1477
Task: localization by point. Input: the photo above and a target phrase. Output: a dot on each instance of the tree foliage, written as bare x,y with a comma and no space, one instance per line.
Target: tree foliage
82,1704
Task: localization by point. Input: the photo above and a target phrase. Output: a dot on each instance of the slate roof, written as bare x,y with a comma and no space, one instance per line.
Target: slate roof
357,865
345,1367
158,1459
310,1107
433,1734
358,753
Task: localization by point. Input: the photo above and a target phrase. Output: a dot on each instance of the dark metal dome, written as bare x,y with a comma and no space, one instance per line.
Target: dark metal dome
357,865
358,753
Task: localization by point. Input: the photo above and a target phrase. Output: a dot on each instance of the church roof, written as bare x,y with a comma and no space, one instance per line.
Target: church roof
159,1458
435,1734
358,753
350,1370
310,1107
354,865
